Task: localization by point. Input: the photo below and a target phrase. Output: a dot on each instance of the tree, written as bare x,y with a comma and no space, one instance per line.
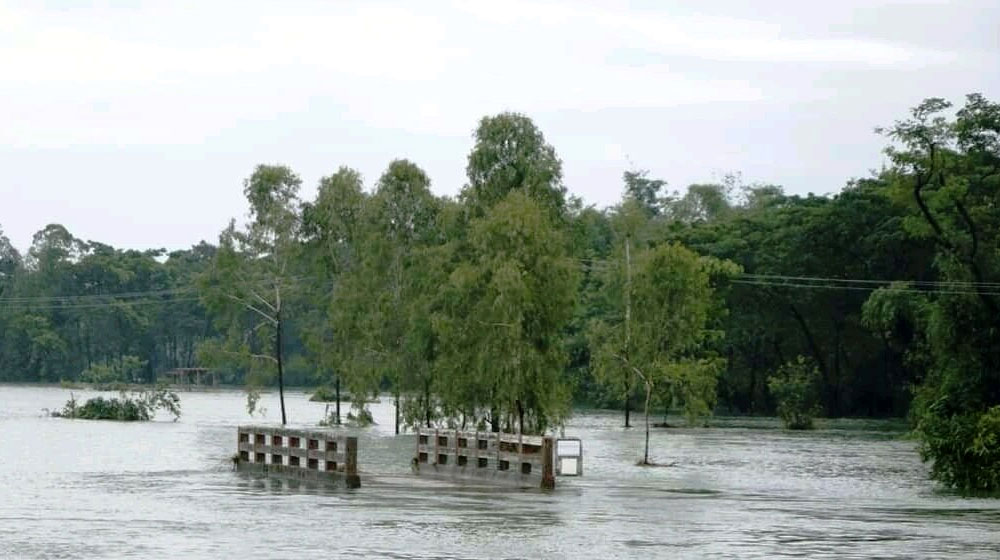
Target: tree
794,387
401,218
949,172
647,192
630,222
507,306
252,280
511,154
333,230
671,301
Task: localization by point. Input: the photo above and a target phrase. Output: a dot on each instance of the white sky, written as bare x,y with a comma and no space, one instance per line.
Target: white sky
134,123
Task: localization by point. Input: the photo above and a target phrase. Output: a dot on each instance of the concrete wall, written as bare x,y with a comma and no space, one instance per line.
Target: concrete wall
303,454
510,459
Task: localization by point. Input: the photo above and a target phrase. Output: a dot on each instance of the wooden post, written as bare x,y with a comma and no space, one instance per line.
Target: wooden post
351,462
548,470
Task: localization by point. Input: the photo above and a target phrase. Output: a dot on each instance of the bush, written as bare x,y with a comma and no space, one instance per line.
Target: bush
362,419
323,394
139,406
964,448
795,387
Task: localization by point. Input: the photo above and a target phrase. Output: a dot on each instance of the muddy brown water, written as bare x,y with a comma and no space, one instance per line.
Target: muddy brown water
741,489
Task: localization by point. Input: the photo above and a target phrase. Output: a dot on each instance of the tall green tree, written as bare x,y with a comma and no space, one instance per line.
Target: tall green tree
671,301
949,170
333,227
508,305
252,279
401,221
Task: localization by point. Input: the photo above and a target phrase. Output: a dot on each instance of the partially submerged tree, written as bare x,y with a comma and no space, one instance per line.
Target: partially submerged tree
252,279
506,308
671,297
795,387
333,229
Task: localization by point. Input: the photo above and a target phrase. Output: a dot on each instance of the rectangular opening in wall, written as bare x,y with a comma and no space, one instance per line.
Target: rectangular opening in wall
293,442
442,459
331,466
422,457
293,461
331,446
525,468
314,444
276,441
244,438
531,449
483,444
463,460
244,455
313,464
276,459
260,439
482,462
443,440
258,458
504,465
422,440
463,442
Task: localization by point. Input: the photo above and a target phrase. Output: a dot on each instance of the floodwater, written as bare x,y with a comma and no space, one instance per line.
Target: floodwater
163,489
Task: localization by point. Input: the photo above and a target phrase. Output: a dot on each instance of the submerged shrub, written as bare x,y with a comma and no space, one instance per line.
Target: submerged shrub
796,389
137,407
323,394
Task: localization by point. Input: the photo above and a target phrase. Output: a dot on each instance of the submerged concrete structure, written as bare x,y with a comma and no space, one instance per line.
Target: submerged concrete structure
510,459
318,455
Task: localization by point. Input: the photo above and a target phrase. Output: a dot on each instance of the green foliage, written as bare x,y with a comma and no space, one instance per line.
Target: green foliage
323,394
795,388
360,417
125,370
948,169
511,154
251,280
139,406
504,311
669,298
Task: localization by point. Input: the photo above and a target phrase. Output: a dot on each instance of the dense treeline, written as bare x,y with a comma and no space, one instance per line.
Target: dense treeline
501,306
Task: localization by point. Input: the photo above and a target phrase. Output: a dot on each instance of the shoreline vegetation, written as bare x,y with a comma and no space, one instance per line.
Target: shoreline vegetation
498,308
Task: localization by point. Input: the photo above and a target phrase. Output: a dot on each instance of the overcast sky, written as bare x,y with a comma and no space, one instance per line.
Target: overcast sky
134,123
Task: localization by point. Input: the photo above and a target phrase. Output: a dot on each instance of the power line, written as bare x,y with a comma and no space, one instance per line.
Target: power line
962,284
861,288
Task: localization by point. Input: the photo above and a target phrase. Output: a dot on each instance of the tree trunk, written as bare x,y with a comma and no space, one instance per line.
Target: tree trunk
628,404
520,416
649,393
628,325
427,403
281,372
397,412
336,384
